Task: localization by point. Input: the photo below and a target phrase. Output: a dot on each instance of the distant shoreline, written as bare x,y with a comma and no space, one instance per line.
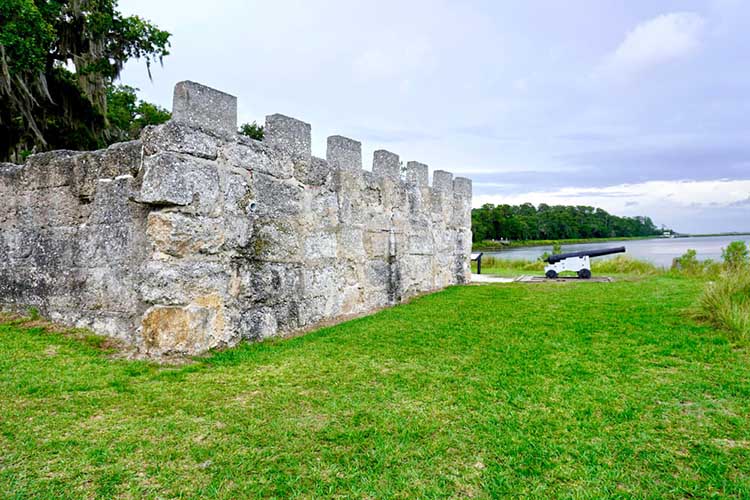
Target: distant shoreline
499,246
741,233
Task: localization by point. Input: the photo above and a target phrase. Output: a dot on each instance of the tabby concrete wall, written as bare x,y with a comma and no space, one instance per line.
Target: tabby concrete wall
195,237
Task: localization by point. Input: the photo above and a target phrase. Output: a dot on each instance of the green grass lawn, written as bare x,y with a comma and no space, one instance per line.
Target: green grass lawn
586,390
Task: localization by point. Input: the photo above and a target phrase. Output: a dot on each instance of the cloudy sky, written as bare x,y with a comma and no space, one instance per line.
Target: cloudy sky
641,107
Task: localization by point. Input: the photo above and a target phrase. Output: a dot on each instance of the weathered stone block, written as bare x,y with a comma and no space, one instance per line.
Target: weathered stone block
321,207
371,195
344,153
112,202
386,164
420,241
315,173
276,197
190,329
259,324
269,282
257,156
417,174
320,281
461,211
114,244
240,209
377,244
88,168
378,271
462,187
180,281
203,107
106,290
442,209
171,179
179,137
289,135
394,194
50,207
320,245
442,182
277,240
351,243
49,169
416,272
352,300
179,234
287,315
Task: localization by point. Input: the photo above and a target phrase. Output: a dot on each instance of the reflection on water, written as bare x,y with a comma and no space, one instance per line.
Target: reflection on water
659,251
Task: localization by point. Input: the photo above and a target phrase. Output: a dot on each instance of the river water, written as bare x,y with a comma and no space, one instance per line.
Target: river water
658,251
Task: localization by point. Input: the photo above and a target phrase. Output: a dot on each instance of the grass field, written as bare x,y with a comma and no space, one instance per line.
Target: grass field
585,390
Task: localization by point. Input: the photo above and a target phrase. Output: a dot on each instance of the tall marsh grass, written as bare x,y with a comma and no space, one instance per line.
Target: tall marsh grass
725,304
625,265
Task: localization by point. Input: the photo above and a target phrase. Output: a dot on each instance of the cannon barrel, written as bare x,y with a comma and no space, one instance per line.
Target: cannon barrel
591,253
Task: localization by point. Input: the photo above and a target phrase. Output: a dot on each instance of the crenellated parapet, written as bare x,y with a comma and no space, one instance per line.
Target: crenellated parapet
196,237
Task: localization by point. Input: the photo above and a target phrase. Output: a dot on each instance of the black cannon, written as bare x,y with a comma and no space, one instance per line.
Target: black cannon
578,262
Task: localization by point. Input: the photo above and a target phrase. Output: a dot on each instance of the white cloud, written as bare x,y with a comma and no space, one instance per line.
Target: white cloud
722,192
521,85
653,42
393,58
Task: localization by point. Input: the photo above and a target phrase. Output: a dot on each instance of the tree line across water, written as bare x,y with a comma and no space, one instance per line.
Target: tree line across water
527,222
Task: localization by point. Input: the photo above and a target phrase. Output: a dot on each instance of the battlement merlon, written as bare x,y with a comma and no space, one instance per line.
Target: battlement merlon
417,174
462,187
203,107
289,134
344,153
386,164
442,182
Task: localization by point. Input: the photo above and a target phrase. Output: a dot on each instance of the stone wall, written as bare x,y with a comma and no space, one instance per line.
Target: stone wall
195,237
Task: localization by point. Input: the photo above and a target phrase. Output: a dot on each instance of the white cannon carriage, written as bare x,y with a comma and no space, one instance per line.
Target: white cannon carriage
577,262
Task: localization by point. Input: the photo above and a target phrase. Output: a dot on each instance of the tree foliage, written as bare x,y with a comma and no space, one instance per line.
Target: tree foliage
252,130
527,222
127,115
43,104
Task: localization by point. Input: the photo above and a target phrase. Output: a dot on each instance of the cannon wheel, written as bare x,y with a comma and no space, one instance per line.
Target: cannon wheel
551,274
584,274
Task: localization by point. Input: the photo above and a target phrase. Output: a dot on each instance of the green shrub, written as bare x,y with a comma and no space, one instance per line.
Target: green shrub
688,264
725,303
252,130
736,255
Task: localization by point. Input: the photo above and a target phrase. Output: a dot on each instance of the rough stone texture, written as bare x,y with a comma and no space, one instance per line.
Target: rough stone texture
289,135
193,238
344,153
417,173
199,106
386,164
442,181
